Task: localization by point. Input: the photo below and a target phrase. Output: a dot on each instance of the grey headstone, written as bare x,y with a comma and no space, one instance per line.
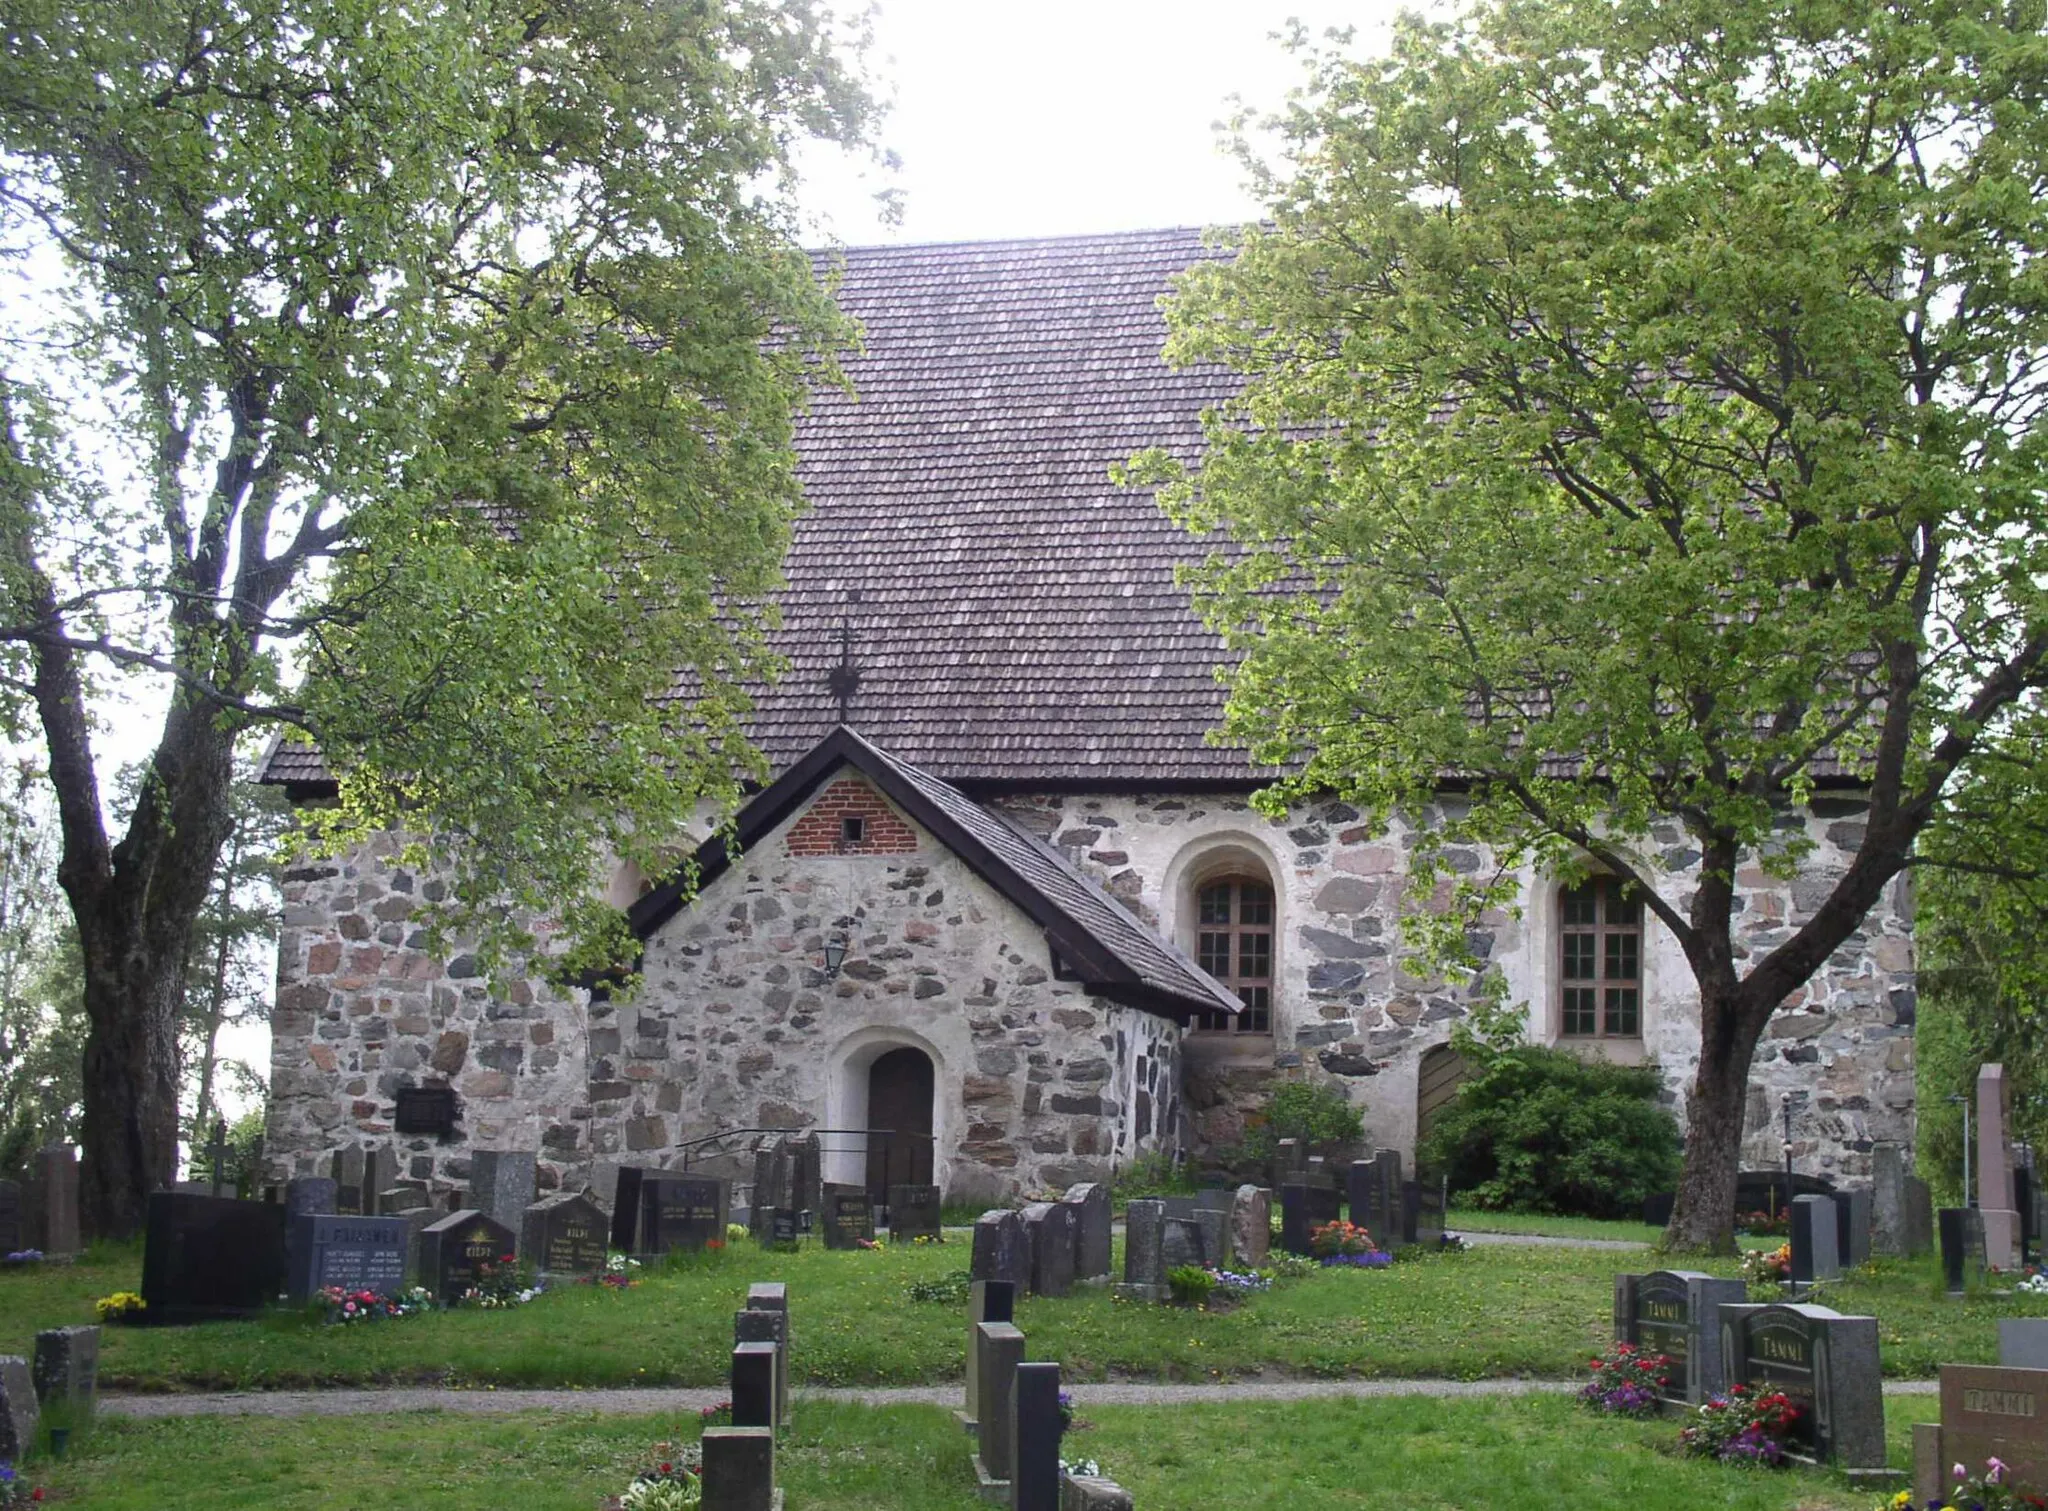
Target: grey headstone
57,1193
682,1212
1814,1236
67,1371
2023,1342
501,1185
396,1201
1080,1492
1092,1220
1678,1313
987,1301
1145,1250
1035,1439
1181,1244
848,1216
768,1296
913,1213
18,1409
1827,1363
753,1384
1852,1226
1294,1219
739,1469
1049,1226
1001,1251
1919,1218
1002,1350
342,1249
565,1234
1888,1171
806,1173
1251,1226
768,1327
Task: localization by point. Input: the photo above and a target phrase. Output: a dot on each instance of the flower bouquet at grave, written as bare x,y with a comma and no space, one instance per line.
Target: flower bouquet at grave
1346,1243
2034,1283
1235,1285
718,1415
617,1274
1626,1381
506,1283
1993,1490
338,1307
1086,1469
1742,1427
122,1306
16,1491
1762,1224
672,1482
1768,1266
24,1256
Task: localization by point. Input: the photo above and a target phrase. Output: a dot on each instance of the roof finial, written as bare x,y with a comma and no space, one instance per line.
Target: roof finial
844,679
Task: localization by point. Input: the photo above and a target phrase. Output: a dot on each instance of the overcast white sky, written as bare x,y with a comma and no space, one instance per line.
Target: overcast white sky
1061,116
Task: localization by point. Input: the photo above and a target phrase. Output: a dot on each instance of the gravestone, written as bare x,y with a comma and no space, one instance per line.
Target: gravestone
626,1209
781,1228
13,1226
739,1470
1001,1351
346,1169
1852,1226
1180,1243
753,1384
771,1182
564,1235
1422,1204
453,1252
1212,1222
209,1257
681,1213
67,1372
18,1409
1827,1364
1049,1227
1987,1411
1677,1313
2023,1202
1144,1251
1092,1221
807,1173
849,1216
1001,1251
354,1253
1290,1161
309,1196
1325,1206
913,1213
1814,1234
1035,1439
1889,1167
1251,1226
501,1186
1962,1246
1919,1218
987,1301
56,1188
1294,1219
1995,1199
1088,1492
771,1328
2023,1342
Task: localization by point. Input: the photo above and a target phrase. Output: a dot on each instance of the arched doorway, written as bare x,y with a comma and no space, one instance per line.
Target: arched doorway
900,1086
1438,1076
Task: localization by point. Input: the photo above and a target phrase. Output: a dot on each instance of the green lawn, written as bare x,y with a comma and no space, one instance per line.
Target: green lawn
1531,1454
1497,1310
1472,1220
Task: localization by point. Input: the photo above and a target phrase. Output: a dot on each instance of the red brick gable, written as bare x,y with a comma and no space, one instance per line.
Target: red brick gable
822,828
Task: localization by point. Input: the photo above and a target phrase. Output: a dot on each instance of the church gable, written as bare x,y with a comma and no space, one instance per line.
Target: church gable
850,818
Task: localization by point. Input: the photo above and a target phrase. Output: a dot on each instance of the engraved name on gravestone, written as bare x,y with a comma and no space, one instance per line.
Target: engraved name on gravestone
849,1216
1826,1364
1677,1313
682,1212
1987,1412
455,1252
354,1253
564,1235
913,1213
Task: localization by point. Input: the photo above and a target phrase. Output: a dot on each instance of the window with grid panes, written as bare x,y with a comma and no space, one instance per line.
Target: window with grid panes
1234,943
1602,967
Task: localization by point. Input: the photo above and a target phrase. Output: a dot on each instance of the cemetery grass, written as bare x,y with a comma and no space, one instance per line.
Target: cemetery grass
1541,1453
1496,1311
1548,1225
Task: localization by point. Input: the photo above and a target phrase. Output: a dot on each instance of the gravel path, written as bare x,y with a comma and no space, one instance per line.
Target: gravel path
653,1402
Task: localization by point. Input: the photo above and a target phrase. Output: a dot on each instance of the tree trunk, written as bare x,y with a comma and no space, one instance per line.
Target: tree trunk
1703,1217
130,1125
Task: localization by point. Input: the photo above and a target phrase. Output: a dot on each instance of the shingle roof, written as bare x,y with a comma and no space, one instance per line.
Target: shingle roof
1104,946
1018,621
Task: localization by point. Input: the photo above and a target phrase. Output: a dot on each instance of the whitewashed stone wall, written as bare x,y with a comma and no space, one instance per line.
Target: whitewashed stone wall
1343,999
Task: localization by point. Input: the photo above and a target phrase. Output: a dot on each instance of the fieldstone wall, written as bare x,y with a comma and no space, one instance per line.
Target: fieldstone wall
1347,1009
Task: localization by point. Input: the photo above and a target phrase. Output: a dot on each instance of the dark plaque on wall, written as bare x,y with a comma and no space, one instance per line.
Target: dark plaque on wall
426,1109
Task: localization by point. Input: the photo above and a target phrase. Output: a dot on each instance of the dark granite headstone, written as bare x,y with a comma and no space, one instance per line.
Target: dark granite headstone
913,1213
753,1385
564,1235
309,1195
1294,1226
1325,1206
1144,1251
1852,1226
56,1187
12,1225
1826,1363
2023,1195
987,1301
1001,1251
1423,1201
1919,1218
1677,1313
1035,1439
502,1183
626,1210
849,1216
455,1251
682,1213
1962,1246
1814,1234
19,1410
771,1327
1049,1227
739,1470
355,1253
1180,1244
67,1371
1000,1353
1090,1201
209,1257
782,1227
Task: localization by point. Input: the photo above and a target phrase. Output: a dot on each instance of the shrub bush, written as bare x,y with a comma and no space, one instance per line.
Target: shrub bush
1540,1130
1319,1116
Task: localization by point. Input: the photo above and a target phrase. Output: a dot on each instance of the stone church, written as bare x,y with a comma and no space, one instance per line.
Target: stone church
1002,898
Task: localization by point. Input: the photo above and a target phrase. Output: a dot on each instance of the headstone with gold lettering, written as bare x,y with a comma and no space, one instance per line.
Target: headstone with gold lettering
1987,1411
1677,1313
457,1252
1827,1365
565,1235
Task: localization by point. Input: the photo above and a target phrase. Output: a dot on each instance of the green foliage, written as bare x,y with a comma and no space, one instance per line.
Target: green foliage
946,1290
1313,1112
1189,1284
1153,1173
1544,1131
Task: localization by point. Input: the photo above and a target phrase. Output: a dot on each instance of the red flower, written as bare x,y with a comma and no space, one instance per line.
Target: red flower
667,1468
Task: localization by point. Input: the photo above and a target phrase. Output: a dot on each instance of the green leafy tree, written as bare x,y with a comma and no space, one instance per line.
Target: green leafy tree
1642,421
446,355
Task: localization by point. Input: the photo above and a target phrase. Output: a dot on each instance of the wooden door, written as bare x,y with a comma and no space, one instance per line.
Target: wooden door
900,1087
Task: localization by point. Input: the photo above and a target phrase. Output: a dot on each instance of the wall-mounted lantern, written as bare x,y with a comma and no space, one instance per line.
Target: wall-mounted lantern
835,953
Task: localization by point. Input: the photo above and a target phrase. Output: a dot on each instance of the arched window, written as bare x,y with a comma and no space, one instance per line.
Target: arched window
1234,943
1602,965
